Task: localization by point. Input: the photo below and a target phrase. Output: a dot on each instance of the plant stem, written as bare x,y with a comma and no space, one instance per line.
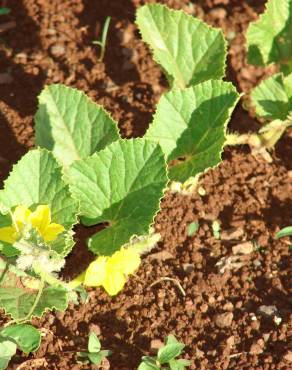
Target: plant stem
102,41
28,316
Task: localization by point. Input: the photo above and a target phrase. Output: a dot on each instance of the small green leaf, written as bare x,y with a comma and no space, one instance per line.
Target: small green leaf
37,179
171,339
193,228
105,353
269,38
4,11
178,364
216,228
148,363
71,125
272,98
27,337
121,185
286,231
188,50
169,352
93,343
95,358
7,350
190,125
17,302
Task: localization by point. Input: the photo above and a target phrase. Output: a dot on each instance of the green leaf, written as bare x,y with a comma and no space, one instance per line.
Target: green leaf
95,358
4,11
121,185
71,125
105,353
93,343
269,38
178,364
148,363
190,124
171,339
286,231
17,302
27,337
188,49
272,98
192,228
37,179
7,350
169,352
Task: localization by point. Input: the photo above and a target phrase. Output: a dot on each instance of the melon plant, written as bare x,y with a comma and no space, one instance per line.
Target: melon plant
82,171
269,42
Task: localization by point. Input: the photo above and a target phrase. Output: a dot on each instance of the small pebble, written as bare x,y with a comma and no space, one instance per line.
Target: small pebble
243,248
58,50
188,268
288,356
268,311
155,345
234,233
224,320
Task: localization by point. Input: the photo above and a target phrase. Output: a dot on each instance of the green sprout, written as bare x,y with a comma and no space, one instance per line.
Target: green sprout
22,336
286,231
102,41
216,228
166,357
193,227
95,354
4,11
269,42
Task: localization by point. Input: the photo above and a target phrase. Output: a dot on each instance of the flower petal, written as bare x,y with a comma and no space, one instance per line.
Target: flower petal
8,234
41,218
114,282
96,272
21,216
52,231
126,261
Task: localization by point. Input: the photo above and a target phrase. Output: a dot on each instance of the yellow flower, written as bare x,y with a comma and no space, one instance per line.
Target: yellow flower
111,272
40,220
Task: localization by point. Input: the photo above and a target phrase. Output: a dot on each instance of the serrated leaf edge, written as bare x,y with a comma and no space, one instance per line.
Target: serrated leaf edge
82,93
152,5
260,18
7,313
164,190
69,232
239,95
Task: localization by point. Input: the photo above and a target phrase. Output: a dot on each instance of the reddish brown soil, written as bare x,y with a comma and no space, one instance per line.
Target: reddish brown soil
51,42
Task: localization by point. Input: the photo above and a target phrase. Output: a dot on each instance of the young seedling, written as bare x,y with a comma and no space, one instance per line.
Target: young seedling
193,228
166,358
102,41
216,228
286,231
4,11
94,354
23,337
270,42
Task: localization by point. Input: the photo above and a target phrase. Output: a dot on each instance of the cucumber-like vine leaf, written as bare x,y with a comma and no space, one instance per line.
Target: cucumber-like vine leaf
272,98
190,124
188,50
37,179
26,337
71,125
7,350
269,38
17,302
122,186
